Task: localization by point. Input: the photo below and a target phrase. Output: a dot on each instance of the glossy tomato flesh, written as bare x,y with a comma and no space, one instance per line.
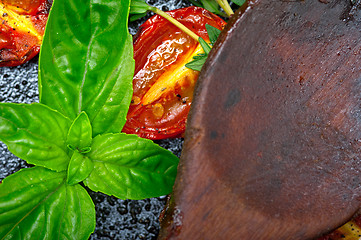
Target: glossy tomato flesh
163,86
21,30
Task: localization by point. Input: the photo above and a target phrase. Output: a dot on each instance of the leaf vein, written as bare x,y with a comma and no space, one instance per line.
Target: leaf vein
35,207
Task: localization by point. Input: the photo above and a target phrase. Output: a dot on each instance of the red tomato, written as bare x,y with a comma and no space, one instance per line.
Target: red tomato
21,30
163,86
349,231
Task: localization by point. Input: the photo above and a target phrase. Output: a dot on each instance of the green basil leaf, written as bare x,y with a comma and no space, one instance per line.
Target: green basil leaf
36,203
200,56
86,62
239,2
130,167
199,60
213,33
35,133
80,167
196,3
212,6
80,132
197,63
205,46
137,16
139,7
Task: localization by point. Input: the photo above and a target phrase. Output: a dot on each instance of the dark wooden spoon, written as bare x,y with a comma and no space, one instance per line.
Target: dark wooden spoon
272,147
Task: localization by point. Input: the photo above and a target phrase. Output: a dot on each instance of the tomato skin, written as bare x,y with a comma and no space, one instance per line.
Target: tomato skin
21,30
350,230
160,48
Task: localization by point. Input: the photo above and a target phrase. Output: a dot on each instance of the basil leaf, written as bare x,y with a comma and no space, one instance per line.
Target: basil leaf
197,62
139,7
36,203
79,168
80,132
213,33
196,3
212,6
239,2
137,16
130,167
35,133
205,46
86,62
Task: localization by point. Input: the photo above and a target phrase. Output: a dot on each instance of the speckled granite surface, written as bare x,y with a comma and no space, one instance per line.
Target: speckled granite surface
116,219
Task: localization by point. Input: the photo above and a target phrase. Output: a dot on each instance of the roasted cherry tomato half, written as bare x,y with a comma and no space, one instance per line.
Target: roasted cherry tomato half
21,30
163,86
349,231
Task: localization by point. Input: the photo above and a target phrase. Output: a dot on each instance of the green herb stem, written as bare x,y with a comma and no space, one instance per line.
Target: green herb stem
225,5
176,23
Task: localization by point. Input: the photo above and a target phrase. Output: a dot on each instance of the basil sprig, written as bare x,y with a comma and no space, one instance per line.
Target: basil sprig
239,2
210,5
215,6
200,59
139,9
73,136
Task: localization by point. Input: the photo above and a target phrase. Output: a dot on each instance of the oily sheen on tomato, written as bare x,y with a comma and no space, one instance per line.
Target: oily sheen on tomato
163,86
21,29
